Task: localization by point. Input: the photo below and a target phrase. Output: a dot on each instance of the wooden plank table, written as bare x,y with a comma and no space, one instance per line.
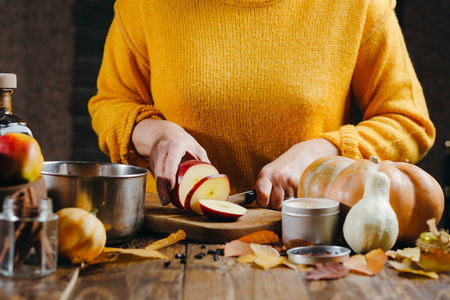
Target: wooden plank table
135,278
130,277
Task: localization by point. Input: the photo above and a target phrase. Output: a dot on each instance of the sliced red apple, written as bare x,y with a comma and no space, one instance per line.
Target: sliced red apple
216,187
221,210
189,173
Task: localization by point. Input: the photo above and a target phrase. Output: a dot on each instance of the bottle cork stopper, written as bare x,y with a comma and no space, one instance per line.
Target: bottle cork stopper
8,81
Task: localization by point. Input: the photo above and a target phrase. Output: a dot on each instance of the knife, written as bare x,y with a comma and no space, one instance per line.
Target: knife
247,198
244,198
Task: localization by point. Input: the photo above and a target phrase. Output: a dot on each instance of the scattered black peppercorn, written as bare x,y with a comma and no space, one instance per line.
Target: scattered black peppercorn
167,264
212,252
183,261
202,246
216,257
199,255
179,255
220,251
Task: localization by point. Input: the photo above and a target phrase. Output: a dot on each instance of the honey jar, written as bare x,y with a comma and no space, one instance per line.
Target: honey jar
434,256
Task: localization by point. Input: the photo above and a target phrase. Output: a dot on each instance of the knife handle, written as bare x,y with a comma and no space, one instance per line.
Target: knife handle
250,196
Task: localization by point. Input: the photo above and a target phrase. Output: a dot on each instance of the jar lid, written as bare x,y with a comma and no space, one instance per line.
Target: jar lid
318,254
310,206
8,81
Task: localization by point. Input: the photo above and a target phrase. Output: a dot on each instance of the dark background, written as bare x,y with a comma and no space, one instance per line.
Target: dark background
55,48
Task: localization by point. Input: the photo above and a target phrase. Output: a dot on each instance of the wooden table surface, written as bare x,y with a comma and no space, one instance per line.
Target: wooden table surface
135,278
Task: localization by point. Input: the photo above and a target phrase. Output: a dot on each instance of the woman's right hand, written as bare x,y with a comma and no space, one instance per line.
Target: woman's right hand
167,144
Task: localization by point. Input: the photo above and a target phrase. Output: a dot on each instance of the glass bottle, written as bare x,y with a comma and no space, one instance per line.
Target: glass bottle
8,121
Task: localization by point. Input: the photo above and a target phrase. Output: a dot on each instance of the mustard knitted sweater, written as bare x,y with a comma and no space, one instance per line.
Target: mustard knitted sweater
250,78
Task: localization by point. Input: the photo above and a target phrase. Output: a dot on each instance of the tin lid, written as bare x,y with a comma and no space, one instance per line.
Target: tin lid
310,206
318,254
8,81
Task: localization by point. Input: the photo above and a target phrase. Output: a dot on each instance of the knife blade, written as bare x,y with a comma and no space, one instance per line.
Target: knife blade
244,198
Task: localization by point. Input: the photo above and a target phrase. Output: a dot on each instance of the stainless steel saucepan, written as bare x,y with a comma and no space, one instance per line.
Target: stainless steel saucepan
87,184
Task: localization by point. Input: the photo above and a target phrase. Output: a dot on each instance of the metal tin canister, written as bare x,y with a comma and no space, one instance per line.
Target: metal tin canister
312,219
318,254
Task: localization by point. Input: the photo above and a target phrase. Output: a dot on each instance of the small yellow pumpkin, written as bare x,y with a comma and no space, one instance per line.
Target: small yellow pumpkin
81,235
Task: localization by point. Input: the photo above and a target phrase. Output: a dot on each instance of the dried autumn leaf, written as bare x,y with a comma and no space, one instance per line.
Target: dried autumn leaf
260,237
147,253
102,258
237,248
441,234
375,260
391,253
264,251
278,246
266,256
247,259
411,253
150,251
358,263
369,264
267,263
409,266
251,258
171,239
296,243
327,271
294,266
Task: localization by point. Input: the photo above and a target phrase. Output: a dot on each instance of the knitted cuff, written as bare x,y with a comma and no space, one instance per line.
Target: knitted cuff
128,153
346,139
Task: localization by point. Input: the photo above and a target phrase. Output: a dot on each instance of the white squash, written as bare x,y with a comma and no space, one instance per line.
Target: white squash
372,223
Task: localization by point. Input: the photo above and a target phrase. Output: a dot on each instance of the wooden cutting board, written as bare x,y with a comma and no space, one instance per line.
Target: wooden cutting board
168,219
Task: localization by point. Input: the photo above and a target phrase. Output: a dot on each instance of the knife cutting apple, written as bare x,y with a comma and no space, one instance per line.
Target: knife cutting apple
200,189
244,198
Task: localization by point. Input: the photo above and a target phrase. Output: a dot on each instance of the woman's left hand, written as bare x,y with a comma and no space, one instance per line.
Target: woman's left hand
279,179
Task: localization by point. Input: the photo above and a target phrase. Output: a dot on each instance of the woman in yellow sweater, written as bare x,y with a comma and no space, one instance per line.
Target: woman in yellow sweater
260,88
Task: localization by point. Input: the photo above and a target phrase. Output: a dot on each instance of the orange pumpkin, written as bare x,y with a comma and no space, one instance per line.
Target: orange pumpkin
414,194
81,235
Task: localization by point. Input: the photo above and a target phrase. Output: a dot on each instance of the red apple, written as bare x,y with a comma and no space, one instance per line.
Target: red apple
189,173
221,210
216,187
21,159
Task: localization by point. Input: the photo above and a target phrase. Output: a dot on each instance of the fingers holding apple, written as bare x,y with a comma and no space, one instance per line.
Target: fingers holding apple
189,173
202,190
21,159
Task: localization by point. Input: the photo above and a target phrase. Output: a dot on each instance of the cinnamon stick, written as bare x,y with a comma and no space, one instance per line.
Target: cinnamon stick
42,244
21,229
26,234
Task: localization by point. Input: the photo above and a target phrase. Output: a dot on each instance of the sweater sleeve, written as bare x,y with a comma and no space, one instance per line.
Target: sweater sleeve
123,98
396,124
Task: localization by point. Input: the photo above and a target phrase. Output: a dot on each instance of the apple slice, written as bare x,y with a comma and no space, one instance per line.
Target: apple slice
189,173
216,187
221,210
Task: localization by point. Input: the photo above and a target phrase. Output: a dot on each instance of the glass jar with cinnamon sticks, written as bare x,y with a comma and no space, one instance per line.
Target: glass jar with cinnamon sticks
28,236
